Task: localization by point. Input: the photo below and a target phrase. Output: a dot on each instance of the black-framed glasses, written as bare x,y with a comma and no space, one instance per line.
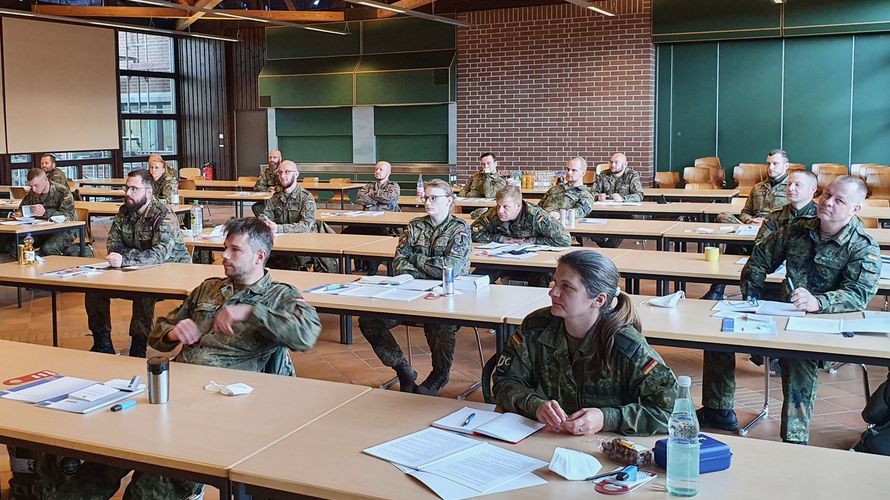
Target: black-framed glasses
433,197
288,172
127,189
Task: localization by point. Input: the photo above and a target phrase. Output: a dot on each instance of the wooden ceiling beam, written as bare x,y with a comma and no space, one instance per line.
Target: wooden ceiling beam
165,12
403,4
201,4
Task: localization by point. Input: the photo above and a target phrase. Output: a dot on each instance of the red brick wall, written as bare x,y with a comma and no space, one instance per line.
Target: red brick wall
539,85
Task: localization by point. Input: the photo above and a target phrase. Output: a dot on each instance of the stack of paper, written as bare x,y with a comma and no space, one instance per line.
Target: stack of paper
607,203
855,325
455,466
747,230
765,307
70,394
72,272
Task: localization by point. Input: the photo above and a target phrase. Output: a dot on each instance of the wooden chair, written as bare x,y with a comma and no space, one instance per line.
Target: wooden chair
338,196
187,184
692,186
746,175
667,180
602,167
829,168
872,169
855,168
84,215
793,167
190,173
697,175
245,180
308,180
18,192
823,180
878,185
871,222
708,161
589,177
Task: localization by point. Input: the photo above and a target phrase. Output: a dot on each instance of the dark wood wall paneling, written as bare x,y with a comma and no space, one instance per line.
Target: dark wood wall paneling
245,60
203,106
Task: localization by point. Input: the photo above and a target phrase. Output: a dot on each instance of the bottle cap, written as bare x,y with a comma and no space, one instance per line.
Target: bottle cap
684,381
159,364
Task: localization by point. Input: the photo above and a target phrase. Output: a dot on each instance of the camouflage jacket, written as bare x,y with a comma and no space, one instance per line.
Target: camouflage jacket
764,197
378,198
424,249
636,397
57,201
532,224
842,272
280,317
163,188
781,216
57,176
628,185
150,240
294,213
577,198
482,185
267,179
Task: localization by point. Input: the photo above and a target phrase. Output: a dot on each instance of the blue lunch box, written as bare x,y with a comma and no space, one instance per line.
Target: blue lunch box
715,455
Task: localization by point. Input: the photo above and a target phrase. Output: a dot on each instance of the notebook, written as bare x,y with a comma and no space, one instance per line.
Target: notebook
508,427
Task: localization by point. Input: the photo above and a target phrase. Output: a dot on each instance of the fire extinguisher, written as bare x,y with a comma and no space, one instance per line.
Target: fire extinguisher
207,171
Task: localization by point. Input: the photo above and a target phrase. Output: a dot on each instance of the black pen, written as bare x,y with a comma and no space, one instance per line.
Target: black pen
467,421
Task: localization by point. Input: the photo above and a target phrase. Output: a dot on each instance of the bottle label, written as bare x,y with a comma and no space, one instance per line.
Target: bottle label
30,256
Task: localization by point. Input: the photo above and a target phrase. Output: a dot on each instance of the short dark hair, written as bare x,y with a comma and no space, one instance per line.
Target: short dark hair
779,152
258,233
142,174
805,173
483,155
51,156
35,173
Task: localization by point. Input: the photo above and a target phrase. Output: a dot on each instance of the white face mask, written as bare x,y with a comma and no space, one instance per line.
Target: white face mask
669,301
574,465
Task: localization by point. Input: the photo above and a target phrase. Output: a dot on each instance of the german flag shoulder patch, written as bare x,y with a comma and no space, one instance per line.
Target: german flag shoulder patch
649,366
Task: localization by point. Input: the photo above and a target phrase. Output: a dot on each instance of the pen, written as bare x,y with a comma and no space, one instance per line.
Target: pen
333,287
790,283
469,418
123,406
134,383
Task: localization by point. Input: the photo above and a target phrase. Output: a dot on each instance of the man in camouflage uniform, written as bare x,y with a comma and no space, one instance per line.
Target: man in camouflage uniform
764,197
144,233
618,183
834,265
48,165
516,221
572,195
486,182
382,195
801,188
428,245
243,321
47,199
267,181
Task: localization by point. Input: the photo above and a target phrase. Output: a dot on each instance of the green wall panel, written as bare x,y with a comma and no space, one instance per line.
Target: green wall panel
314,121
817,99
836,16
411,120
282,43
663,109
749,101
399,87
394,34
316,149
713,19
871,105
413,148
694,95
310,90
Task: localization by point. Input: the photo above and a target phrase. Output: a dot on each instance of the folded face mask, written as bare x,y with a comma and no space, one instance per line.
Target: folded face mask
666,300
229,390
574,465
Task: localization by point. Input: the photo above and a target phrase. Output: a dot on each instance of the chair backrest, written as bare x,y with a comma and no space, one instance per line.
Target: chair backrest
829,168
340,180
878,185
864,171
309,180
18,192
748,174
823,180
600,167
84,215
246,180
871,222
189,173
708,161
667,180
73,185
793,167
692,186
187,184
696,175
855,168
487,370
718,175
589,177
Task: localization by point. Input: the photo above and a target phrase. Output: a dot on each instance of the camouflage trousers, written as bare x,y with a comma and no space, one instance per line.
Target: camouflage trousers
98,306
541,279
95,481
258,208
799,382
439,337
37,472
46,244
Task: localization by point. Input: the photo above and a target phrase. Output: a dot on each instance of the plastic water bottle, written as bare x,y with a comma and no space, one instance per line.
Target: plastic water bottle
420,186
683,447
174,195
197,219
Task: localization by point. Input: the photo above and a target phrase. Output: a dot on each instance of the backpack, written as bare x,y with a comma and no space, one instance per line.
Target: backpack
876,439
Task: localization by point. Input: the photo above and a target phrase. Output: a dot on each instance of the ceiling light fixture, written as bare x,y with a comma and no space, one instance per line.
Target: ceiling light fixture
210,13
589,6
108,24
777,2
412,13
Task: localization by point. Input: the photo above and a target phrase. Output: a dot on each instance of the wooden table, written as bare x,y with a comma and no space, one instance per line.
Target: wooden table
20,231
197,435
717,195
236,198
682,233
624,228
100,192
651,209
342,188
312,461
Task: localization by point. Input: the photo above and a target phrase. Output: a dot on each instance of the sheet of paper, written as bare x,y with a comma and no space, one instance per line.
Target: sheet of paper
93,392
492,245
589,220
525,255
364,291
484,467
747,230
742,261
449,490
817,325
454,420
868,325
876,315
510,427
403,295
735,306
417,284
422,447
773,308
47,388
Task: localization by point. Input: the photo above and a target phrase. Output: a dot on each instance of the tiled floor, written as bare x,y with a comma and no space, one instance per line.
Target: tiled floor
836,423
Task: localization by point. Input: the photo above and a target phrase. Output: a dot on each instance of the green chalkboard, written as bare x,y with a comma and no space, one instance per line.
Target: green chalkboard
308,90
285,43
413,148
871,104
694,112
402,34
812,17
663,54
689,20
818,73
314,121
329,149
401,87
310,66
749,101
411,120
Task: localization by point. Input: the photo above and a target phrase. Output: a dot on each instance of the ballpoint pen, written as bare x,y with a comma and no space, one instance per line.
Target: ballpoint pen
469,418
123,406
790,284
